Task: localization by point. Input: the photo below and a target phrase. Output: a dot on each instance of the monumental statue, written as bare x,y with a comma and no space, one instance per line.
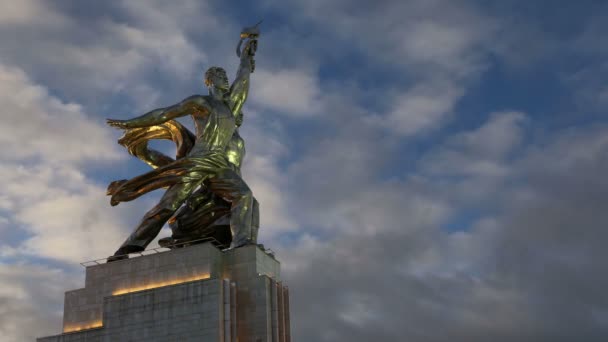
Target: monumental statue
215,283
205,194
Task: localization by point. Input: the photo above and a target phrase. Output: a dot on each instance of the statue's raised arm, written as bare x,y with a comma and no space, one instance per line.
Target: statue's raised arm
239,89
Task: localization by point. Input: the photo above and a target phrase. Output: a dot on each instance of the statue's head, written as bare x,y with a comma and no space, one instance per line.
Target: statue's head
216,79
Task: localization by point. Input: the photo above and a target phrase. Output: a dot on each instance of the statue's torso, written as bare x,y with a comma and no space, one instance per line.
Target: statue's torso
235,151
213,131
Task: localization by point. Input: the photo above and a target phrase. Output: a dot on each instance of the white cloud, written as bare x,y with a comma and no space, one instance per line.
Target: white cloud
288,92
107,56
588,86
496,138
66,216
397,206
37,125
481,152
435,49
404,32
168,48
442,44
44,144
28,12
264,175
268,185
30,301
422,108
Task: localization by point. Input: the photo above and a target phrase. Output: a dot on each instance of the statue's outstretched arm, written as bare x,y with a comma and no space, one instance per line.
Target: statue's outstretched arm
195,103
240,87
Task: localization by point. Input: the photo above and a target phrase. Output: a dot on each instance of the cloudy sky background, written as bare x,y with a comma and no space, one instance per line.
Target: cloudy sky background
427,170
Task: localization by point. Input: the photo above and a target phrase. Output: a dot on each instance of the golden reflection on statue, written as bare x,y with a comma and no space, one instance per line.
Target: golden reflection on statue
204,182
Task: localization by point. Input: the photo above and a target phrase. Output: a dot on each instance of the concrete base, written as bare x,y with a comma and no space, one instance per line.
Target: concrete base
196,293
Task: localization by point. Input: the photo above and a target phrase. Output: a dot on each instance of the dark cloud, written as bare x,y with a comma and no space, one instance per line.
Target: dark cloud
534,272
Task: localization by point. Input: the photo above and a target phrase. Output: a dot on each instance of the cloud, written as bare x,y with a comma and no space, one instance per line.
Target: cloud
29,300
586,84
29,12
288,92
96,56
482,152
433,50
46,143
438,33
387,265
37,125
552,231
328,170
263,173
387,285
422,108
66,217
531,272
175,51
451,45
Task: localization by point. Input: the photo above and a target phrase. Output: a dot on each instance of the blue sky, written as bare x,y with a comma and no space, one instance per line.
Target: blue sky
428,170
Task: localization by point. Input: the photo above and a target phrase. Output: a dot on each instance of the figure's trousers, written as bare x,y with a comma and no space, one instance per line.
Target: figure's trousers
255,220
227,184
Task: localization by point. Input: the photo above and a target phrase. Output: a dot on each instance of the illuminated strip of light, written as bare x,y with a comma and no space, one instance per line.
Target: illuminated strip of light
85,326
159,284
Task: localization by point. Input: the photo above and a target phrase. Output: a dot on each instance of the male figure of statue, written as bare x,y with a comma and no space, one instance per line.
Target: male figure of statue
204,214
205,165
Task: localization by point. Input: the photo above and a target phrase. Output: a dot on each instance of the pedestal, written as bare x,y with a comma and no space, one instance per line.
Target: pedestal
196,293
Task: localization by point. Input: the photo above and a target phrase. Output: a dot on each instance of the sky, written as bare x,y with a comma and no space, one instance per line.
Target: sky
427,170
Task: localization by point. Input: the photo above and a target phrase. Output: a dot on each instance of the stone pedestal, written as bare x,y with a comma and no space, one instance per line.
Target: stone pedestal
196,293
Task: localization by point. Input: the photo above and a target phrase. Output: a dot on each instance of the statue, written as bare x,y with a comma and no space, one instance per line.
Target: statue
204,181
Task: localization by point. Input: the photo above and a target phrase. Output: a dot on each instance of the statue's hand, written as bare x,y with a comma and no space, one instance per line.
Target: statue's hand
250,47
251,32
117,123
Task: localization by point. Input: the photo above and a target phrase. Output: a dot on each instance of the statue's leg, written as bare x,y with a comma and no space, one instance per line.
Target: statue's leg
255,220
154,219
230,186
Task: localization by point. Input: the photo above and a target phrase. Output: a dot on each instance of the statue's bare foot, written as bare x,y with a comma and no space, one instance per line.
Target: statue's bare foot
242,243
169,242
117,257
